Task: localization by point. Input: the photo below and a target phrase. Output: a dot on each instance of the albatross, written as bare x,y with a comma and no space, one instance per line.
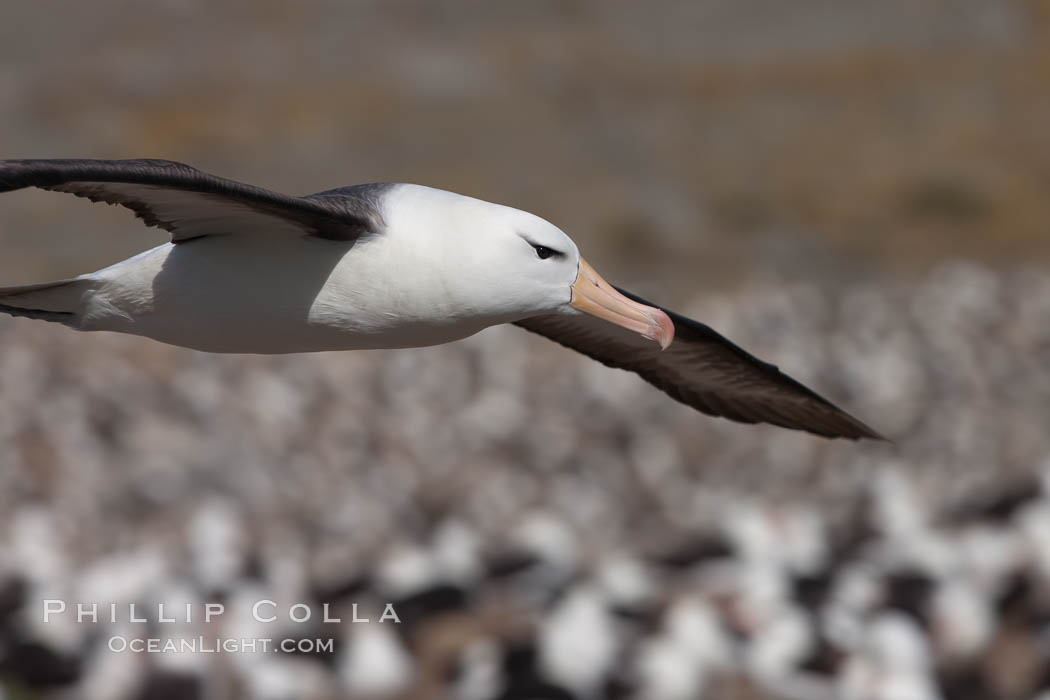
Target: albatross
249,270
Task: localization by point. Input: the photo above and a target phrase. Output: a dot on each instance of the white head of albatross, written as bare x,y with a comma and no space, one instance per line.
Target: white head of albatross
453,265
381,266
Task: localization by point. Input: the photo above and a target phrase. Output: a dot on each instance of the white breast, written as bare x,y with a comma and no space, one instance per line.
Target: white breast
272,293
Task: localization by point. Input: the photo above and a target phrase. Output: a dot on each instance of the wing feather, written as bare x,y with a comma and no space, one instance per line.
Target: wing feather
190,203
704,370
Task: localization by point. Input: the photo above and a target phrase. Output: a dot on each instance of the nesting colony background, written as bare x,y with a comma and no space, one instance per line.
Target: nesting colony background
855,191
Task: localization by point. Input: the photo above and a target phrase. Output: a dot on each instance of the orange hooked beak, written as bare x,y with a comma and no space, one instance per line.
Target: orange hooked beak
593,295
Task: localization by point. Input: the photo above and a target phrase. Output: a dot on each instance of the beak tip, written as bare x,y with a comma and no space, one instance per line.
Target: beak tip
663,329
593,295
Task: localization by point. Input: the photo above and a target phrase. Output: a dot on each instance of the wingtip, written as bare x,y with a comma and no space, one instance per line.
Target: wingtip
879,437
863,431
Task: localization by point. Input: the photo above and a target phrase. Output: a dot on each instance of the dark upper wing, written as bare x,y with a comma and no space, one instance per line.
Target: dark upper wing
702,369
189,203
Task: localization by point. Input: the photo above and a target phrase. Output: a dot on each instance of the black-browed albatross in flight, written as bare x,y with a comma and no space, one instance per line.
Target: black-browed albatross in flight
381,266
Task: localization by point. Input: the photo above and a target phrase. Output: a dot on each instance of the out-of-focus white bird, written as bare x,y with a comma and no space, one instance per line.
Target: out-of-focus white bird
578,642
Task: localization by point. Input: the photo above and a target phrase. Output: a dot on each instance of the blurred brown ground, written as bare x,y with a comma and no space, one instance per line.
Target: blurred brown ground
685,145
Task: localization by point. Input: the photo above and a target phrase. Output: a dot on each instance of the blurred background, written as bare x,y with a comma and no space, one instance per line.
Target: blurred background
855,191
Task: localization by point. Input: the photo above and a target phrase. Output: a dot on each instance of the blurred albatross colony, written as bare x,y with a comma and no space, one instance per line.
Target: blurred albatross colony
648,555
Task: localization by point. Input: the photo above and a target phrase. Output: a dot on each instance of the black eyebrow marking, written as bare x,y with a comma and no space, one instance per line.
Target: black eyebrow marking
536,246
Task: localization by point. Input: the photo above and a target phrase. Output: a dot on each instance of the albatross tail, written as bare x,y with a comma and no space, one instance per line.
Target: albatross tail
59,301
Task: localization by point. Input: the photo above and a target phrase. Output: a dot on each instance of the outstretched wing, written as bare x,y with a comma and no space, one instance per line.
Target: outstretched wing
190,203
704,370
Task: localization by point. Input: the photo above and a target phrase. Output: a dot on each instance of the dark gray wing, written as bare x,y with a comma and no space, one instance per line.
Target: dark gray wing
190,203
704,370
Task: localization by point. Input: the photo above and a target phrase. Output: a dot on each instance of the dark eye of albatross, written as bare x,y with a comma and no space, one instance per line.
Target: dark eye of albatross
544,252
